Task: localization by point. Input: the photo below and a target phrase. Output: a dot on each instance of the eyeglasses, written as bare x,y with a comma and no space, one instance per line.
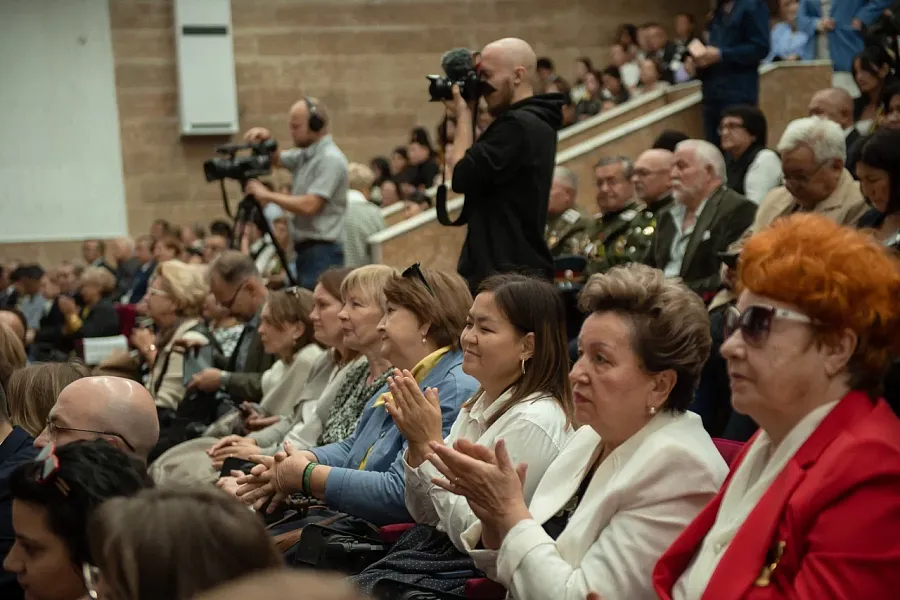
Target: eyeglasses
230,303
804,178
157,292
53,429
415,271
91,576
755,323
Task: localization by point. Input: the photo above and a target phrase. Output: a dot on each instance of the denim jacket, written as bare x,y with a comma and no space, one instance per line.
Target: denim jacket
377,493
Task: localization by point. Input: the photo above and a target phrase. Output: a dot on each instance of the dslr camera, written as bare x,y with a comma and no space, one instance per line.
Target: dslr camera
242,168
458,64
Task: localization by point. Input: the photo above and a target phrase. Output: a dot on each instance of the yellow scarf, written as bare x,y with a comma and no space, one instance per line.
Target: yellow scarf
419,372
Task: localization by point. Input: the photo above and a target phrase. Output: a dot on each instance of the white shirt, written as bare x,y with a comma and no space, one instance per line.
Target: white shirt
534,430
682,237
763,175
631,74
753,477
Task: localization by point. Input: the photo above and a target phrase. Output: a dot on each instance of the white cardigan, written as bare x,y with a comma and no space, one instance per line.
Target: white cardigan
639,500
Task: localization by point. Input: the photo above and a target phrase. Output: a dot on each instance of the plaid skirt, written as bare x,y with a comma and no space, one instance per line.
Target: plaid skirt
425,557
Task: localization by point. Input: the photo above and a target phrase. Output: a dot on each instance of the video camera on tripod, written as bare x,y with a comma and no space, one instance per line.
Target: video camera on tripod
242,169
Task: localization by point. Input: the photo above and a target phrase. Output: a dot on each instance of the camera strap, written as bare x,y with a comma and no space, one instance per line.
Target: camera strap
440,198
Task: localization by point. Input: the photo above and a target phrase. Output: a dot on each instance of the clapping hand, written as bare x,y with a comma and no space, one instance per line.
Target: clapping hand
417,415
67,306
488,480
274,477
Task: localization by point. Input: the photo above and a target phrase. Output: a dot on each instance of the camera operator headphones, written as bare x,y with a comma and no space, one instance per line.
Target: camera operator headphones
316,122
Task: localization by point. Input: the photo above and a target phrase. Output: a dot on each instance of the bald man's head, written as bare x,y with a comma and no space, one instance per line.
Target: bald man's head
118,410
507,69
834,104
652,175
298,121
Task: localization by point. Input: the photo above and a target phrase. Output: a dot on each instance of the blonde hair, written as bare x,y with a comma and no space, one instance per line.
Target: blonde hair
362,178
101,277
12,355
186,285
292,306
33,392
369,281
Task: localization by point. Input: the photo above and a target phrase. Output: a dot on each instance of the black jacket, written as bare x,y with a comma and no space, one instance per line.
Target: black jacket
125,273
506,177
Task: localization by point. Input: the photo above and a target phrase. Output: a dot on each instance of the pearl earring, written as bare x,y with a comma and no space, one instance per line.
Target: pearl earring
652,410
424,340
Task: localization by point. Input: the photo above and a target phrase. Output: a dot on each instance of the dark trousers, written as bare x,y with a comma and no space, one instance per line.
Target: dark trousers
712,116
314,258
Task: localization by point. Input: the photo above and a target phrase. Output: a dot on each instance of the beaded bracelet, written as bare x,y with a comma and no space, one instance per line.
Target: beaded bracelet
307,478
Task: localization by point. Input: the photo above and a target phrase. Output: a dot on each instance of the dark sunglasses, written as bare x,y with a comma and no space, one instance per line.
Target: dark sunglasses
755,323
414,271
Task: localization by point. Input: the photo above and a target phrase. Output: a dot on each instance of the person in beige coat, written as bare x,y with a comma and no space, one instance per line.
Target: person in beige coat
174,300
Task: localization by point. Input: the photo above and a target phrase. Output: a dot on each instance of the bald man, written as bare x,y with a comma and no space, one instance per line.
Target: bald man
506,174
652,179
319,184
836,104
121,411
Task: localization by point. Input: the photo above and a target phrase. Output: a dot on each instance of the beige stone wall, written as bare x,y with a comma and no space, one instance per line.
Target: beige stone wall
366,60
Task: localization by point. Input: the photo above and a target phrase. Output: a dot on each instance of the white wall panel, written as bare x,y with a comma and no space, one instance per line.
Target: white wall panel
60,153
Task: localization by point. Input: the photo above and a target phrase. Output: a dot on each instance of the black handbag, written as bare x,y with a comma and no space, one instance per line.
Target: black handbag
387,589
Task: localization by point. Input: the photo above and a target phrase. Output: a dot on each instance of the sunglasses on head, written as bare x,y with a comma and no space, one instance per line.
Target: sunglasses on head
414,271
756,321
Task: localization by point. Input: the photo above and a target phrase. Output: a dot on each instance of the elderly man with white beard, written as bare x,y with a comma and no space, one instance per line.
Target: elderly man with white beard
704,220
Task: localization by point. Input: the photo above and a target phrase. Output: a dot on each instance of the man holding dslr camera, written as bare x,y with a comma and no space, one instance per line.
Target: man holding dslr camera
319,183
506,174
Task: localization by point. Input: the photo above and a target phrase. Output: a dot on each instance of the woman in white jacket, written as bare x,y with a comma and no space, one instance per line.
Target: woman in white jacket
515,347
632,477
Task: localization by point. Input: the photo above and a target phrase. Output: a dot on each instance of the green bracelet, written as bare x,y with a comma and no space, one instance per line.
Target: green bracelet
307,478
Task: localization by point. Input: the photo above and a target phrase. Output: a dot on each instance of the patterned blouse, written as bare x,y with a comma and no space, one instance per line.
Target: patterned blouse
349,403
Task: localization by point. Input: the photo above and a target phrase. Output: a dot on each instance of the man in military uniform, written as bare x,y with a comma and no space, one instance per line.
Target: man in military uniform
563,219
623,230
652,179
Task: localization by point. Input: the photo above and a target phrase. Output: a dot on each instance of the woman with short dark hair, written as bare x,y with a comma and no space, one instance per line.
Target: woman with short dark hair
53,498
753,170
636,472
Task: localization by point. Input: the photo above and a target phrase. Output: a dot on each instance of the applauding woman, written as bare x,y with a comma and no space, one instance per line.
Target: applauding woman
514,345
363,474
632,477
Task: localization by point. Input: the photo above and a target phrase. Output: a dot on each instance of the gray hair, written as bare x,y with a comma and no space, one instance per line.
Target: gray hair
708,154
567,176
825,138
234,267
627,164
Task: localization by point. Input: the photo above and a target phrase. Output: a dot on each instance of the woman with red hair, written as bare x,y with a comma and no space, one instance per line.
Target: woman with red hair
811,509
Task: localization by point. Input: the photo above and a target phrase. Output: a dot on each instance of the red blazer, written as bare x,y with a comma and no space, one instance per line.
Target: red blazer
834,510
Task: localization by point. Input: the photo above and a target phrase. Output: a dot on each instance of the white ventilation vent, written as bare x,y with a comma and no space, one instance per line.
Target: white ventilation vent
206,83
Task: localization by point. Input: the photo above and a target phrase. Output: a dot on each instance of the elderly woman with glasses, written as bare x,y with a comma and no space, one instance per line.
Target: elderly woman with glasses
175,300
810,510
53,498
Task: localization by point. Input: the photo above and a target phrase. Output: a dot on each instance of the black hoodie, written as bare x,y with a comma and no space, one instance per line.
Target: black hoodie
505,177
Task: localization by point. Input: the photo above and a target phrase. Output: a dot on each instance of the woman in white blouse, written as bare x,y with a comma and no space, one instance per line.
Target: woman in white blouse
752,169
631,478
515,346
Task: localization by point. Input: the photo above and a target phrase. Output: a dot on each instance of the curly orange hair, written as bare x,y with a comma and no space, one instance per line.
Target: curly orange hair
841,277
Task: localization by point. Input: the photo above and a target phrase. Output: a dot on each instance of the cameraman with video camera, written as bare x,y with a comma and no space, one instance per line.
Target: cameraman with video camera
319,184
506,174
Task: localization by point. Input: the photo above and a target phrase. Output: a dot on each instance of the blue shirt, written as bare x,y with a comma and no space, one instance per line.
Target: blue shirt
786,42
16,449
377,493
844,43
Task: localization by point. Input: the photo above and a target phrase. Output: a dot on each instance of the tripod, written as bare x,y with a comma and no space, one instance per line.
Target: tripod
247,208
